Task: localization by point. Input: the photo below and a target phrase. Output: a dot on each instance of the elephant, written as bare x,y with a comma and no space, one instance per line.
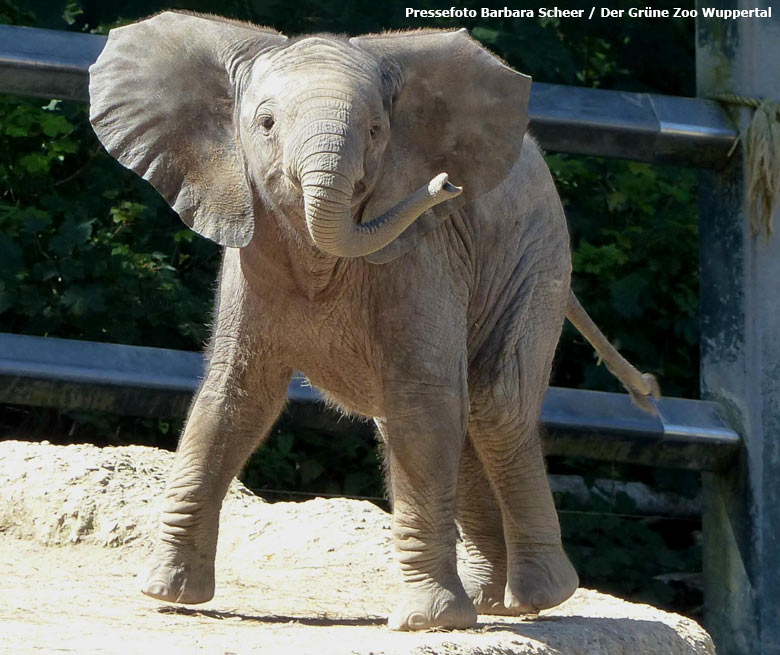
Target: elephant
322,165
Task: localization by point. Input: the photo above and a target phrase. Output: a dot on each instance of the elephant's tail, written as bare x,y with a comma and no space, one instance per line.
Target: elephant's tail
643,387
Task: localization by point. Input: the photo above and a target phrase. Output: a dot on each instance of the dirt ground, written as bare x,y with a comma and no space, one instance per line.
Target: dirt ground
315,577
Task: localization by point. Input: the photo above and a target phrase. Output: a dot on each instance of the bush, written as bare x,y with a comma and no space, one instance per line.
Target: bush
635,256
87,251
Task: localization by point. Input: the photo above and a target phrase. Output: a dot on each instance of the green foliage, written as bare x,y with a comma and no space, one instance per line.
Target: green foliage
306,461
86,250
635,257
13,14
643,559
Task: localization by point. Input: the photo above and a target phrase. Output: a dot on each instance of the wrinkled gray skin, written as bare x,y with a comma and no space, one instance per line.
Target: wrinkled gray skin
309,159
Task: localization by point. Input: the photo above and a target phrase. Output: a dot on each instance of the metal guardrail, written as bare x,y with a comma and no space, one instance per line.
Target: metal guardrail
132,380
640,126
47,63
686,434
144,381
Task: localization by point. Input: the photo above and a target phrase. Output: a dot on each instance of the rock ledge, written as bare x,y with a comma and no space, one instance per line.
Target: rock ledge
313,577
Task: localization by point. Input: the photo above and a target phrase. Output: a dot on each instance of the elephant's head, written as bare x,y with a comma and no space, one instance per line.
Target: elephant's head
229,121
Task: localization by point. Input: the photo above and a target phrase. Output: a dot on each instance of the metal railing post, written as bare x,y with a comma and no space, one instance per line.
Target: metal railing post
740,342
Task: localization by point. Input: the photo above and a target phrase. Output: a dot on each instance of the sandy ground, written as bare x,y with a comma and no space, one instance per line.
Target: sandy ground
314,577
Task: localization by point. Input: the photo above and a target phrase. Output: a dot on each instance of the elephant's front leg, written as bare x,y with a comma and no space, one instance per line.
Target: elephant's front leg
424,438
241,397
224,428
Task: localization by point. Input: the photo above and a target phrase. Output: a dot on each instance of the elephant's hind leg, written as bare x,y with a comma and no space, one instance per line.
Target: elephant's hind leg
525,569
544,575
483,571
506,392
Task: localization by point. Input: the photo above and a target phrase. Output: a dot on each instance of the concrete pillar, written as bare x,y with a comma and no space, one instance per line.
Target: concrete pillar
740,364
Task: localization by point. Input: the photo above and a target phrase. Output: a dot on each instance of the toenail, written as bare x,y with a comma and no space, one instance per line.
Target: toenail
417,620
156,589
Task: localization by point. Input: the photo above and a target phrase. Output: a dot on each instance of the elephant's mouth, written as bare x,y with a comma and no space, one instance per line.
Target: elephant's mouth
361,196
359,208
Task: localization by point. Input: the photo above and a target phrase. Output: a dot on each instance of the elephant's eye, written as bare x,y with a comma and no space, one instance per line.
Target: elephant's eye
266,122
374,130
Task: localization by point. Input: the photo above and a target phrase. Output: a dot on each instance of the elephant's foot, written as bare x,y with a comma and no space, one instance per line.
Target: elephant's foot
484,583
538,580
489,598
177,579
434,606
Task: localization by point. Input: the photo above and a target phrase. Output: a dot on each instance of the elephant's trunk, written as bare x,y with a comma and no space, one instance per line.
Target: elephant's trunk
328,181
333,230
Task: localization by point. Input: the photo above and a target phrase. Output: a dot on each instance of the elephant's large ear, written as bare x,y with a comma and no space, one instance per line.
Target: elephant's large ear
456,108
162,102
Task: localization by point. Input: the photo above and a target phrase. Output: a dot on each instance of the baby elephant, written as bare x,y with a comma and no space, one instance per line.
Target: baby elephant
327,166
